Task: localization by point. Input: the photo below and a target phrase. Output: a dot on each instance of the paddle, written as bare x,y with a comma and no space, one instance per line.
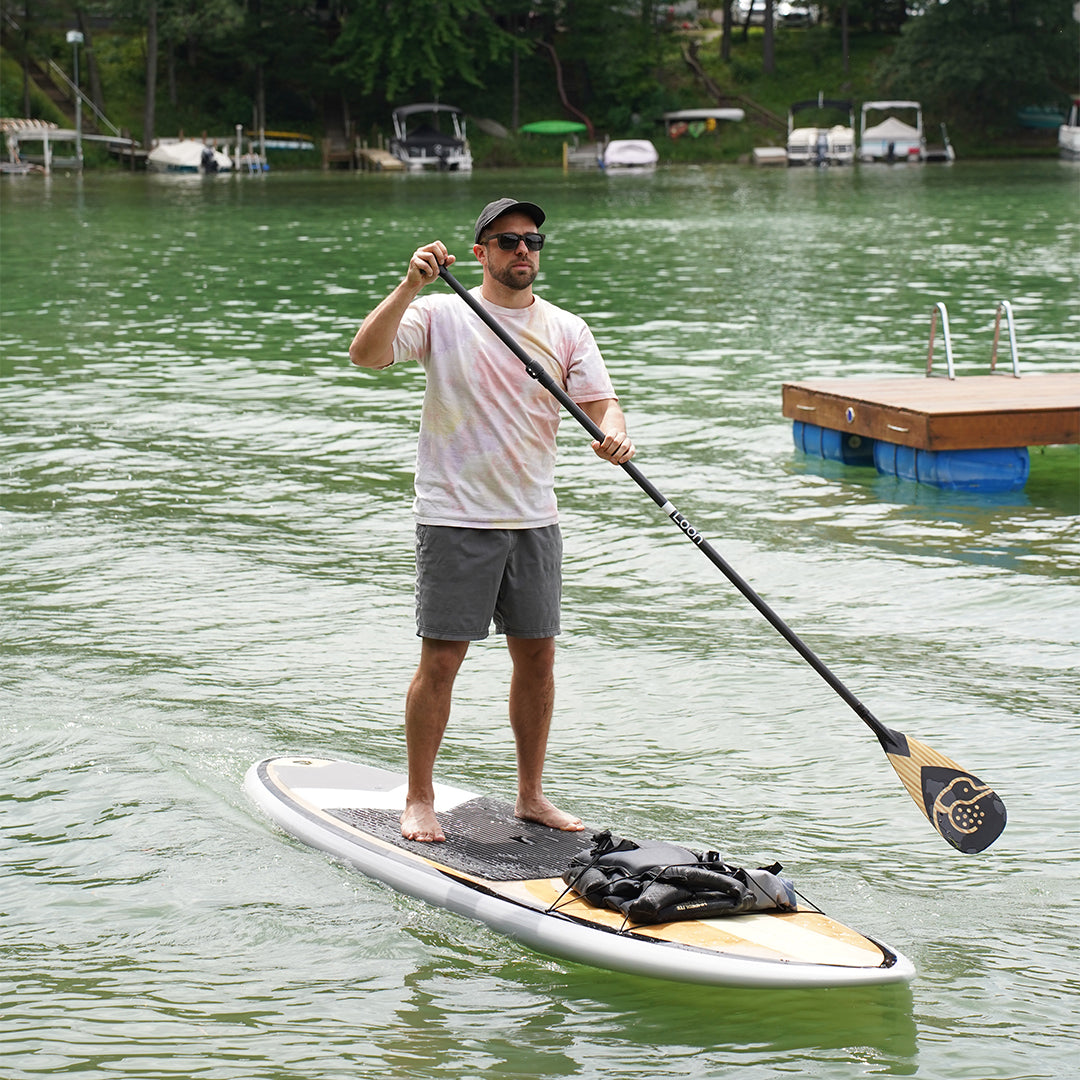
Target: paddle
965,811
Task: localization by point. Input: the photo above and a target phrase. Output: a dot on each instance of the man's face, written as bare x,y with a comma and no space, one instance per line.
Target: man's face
515,269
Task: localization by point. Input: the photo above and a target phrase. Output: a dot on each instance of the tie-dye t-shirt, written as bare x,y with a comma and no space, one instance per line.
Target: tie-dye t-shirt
486,453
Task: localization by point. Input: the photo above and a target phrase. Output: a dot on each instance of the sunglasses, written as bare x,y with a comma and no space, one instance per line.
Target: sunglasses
508,241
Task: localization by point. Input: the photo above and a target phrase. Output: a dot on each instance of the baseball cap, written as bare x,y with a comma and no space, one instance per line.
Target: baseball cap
504,206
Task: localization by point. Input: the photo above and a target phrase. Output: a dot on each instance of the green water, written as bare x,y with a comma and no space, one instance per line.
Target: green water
205,559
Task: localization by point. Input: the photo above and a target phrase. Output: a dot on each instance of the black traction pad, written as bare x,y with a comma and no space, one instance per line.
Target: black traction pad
483,838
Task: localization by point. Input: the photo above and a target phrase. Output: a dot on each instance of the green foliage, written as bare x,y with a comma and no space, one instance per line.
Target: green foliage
971,63
981,60
11,95
416,48
200,20
612,58
806,61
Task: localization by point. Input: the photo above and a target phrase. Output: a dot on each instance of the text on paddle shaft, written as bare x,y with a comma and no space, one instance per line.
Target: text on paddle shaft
685,526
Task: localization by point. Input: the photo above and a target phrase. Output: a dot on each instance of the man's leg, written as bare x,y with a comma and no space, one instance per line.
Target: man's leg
532,701
427,710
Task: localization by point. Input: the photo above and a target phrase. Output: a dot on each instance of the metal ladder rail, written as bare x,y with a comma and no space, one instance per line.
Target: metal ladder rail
1004,305
939,307
61,76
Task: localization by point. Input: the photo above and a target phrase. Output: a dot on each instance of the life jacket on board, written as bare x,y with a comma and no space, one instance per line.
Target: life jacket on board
653,882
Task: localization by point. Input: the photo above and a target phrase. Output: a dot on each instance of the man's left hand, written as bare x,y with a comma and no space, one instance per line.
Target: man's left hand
616,447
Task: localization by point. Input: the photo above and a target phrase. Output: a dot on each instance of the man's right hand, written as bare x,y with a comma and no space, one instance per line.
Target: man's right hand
425,263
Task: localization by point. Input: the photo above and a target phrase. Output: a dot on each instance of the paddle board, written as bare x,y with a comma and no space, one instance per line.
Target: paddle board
506,873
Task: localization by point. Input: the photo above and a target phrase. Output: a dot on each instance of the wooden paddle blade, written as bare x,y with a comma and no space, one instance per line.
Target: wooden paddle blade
966,812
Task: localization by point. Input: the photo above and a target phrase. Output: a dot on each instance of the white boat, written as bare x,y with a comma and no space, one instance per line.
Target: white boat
1069,133
630,154
421,145
892,139
187,156
833,145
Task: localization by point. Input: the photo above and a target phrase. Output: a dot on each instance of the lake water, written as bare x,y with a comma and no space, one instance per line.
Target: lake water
205,559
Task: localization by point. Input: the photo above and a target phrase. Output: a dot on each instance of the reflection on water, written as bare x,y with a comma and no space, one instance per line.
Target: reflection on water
207,559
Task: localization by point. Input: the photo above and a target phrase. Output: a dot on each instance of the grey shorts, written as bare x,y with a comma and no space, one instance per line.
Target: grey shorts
467,577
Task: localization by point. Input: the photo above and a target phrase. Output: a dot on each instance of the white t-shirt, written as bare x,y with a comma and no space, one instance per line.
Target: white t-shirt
486,453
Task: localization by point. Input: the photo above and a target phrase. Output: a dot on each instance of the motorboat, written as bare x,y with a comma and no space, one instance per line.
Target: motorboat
1069,133
892,139
813,145
420,144
630,154
187,156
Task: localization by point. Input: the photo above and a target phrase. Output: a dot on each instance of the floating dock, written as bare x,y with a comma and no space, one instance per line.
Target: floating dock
974,412
970,433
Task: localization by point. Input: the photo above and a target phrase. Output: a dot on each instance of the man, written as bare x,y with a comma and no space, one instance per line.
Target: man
487,537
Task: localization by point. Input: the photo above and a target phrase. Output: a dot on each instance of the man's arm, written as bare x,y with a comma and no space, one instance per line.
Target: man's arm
608,417
373,346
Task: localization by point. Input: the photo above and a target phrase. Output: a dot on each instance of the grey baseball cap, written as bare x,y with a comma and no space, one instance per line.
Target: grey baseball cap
504,206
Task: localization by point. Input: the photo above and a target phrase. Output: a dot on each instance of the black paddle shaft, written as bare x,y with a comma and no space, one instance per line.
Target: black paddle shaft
891,741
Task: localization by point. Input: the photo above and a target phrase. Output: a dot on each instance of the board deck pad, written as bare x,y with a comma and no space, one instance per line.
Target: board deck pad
483,838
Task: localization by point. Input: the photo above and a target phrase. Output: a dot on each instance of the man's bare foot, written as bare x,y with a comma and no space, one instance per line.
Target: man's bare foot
545,813
418,822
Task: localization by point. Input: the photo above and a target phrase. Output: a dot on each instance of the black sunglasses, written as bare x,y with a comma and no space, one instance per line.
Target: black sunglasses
508,241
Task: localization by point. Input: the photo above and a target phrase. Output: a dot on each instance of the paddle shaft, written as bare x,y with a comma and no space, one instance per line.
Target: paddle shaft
889,740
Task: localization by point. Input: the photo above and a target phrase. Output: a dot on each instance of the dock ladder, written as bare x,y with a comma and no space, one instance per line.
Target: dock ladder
940,309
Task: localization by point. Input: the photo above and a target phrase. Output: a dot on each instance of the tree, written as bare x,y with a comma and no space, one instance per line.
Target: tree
609,55
981,60
418,47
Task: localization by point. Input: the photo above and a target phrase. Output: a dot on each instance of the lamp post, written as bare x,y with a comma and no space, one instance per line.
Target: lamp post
76,39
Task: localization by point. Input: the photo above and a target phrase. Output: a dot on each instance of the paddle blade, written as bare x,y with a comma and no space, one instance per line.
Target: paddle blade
966,812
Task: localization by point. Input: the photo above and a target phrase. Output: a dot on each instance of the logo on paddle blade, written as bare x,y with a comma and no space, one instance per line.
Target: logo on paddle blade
967,812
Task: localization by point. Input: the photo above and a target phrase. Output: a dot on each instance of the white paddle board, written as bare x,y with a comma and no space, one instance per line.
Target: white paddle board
506,873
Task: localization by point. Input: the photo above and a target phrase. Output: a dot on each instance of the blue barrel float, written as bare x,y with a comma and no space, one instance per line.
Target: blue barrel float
993,470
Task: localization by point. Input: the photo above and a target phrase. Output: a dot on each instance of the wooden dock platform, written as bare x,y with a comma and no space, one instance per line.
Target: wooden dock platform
969,412
379,160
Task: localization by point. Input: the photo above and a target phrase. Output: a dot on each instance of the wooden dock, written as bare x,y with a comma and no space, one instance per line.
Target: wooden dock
379,160
969,412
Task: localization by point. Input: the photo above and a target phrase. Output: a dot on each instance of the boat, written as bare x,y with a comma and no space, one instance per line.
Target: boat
812,145
553,127
892,139
286,140
187,156
1040,117
1069,133
630,154
419,143
698,121
519,878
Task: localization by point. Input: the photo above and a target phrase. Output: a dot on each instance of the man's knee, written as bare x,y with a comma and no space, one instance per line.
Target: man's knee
440,659
536,655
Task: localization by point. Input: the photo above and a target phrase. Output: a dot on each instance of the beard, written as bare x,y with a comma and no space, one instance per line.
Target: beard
514,277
